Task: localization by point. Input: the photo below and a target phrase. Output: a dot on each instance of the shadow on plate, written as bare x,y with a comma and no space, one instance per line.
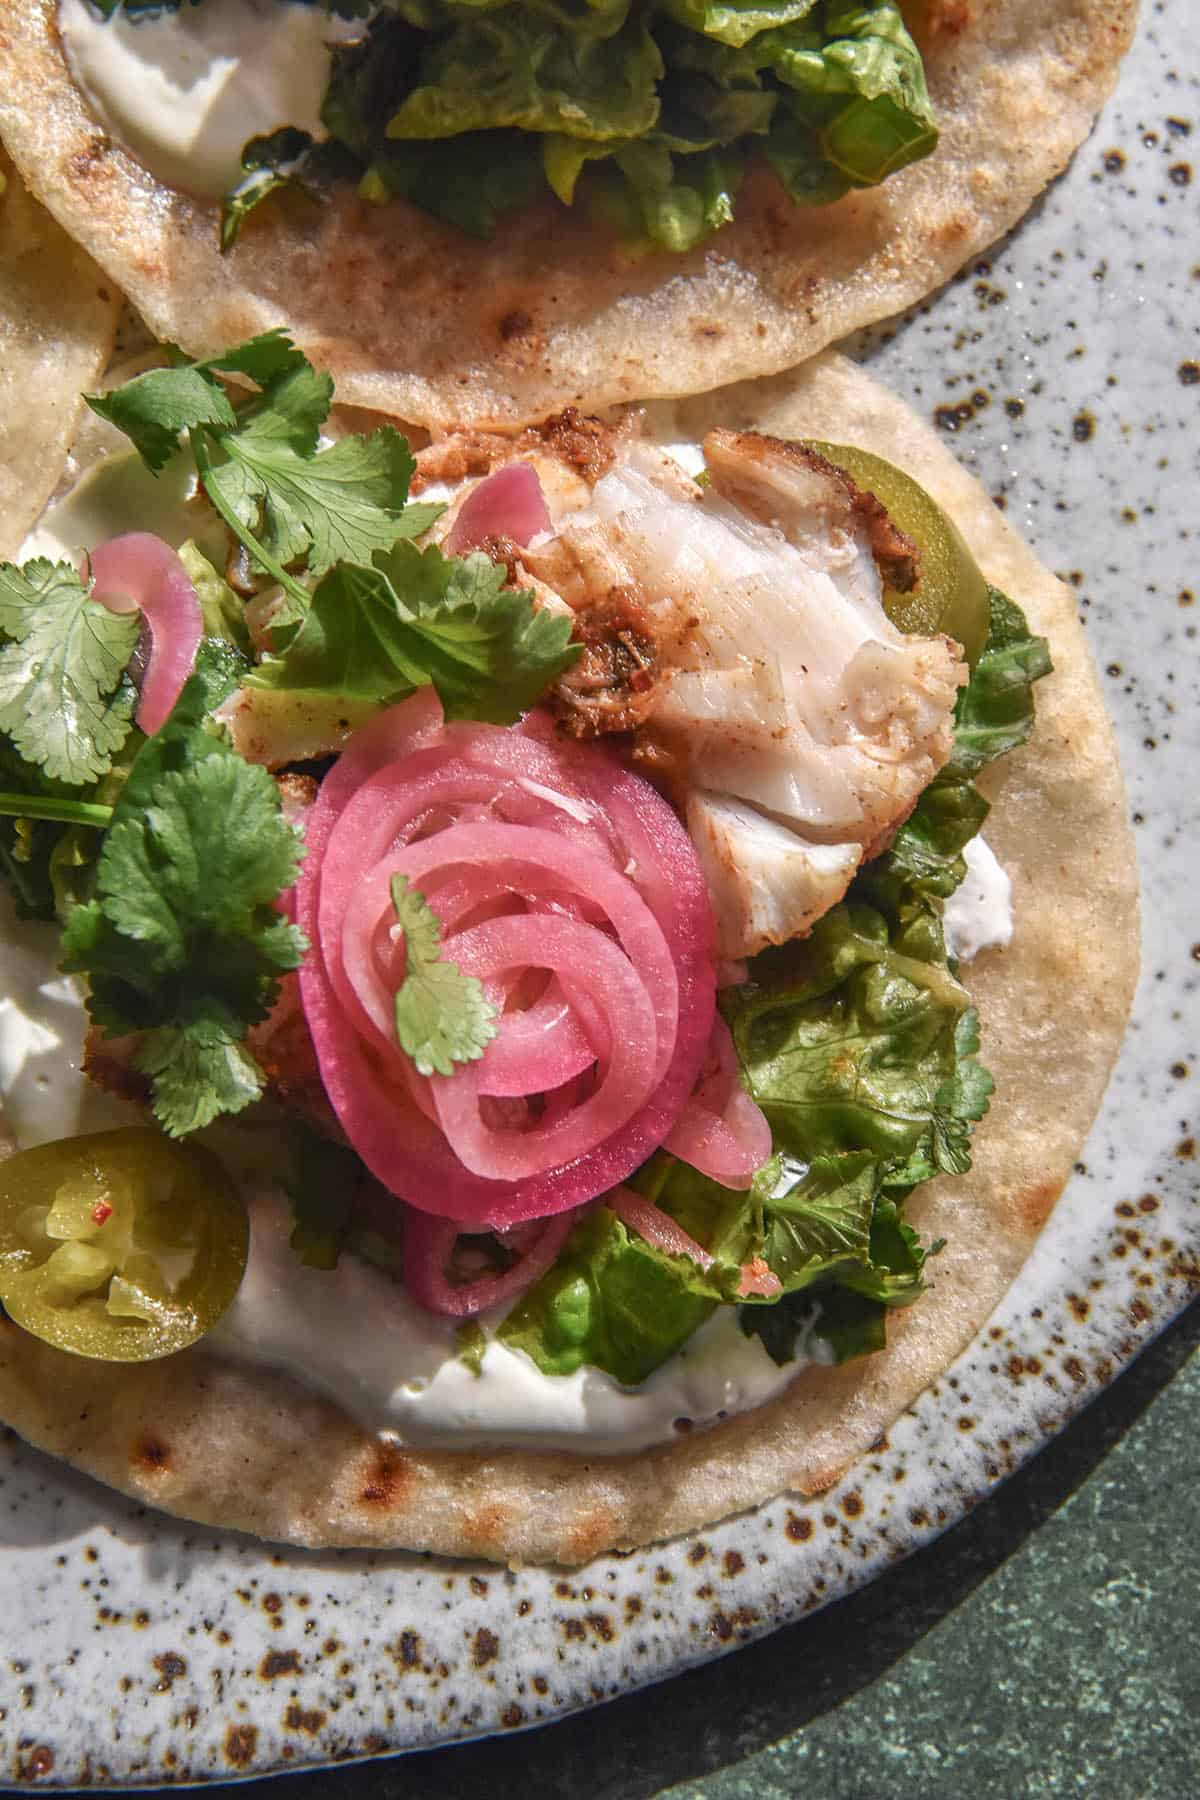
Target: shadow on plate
718,1714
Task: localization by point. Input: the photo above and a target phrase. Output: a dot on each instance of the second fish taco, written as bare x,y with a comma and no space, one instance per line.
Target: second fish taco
479,214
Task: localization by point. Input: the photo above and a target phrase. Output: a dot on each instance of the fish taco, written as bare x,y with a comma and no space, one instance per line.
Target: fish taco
480,214
585,1072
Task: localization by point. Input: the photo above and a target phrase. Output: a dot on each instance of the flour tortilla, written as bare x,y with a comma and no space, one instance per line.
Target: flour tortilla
414,318
249,1450
58,317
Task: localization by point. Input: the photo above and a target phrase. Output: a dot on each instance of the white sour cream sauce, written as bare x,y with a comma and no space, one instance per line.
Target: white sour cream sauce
184,90
354,1335
979,914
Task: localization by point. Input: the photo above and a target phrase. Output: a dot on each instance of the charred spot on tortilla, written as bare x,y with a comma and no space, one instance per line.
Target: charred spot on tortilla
151,1454
385,1480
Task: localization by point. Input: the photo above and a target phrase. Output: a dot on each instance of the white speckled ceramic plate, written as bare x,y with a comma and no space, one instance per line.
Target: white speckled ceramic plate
137,1649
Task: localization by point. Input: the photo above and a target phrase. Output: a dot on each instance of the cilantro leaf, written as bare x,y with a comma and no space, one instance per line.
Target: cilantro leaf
342,503
443,1017
186,737
64,701
182,941
373,635
198,1071
491,652
174,873
154,408
263,358
293,406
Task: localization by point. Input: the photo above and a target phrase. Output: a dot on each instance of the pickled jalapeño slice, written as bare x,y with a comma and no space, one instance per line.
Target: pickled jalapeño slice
952,595
121,1245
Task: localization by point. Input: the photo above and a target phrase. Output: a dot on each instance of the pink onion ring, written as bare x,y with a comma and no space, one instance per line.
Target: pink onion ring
140,570
428,1244
656,1226
722,1131
508,504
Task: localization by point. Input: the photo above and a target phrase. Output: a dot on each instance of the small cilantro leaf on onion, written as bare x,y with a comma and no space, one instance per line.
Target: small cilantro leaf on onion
443,1017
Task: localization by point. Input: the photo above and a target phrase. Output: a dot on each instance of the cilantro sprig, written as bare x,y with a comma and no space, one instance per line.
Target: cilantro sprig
182,942
443,1017
366,618
372,635
293,505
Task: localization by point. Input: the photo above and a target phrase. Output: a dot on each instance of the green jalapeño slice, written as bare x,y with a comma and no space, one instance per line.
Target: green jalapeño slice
121,1245
951,595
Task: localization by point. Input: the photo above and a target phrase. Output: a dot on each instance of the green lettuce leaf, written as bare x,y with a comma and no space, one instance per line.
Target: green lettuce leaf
614,1301
856,108
995,709
846,1037
994,715
444,101
674,202
510,68
735,22
850,1311
611,1300
472,181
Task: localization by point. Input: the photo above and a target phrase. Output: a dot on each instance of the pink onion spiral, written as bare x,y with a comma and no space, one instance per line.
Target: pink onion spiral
569,888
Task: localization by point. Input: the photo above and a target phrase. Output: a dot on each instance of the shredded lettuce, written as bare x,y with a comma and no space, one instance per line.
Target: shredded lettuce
469,108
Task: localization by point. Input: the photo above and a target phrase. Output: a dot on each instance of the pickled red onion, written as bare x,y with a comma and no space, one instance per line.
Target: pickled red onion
508,504
759,1281
722,1131
656,1226
428,1243
140,570
588,922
